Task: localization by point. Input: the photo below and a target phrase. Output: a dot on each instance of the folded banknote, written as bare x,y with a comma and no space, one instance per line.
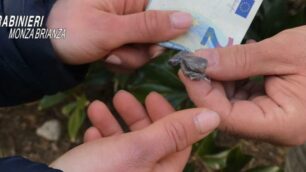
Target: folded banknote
217,23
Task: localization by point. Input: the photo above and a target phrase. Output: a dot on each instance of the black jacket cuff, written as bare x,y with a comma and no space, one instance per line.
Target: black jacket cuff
19,164
31,68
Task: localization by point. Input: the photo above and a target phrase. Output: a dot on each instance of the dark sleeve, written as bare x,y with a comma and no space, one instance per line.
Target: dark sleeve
30,68
19,164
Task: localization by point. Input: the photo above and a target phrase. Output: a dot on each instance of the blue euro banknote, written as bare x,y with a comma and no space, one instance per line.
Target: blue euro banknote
216,23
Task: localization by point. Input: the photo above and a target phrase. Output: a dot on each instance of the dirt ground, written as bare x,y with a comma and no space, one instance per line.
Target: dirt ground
18,134
18,137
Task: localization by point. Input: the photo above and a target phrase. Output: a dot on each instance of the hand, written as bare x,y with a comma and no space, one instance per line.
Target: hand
98,28
273,111
161,146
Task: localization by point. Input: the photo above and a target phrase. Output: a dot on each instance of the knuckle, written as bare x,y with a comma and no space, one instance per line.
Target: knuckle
149,25
177,135
242,60
110,24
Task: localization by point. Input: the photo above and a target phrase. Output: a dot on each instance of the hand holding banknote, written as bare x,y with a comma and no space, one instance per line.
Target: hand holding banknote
96,29
275,110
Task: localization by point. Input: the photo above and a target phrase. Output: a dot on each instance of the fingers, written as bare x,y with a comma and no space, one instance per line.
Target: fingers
103,120
258,118
204,94
151,26
156,50
129,57
131,110
133,57
243,61
230,88
128,7
177,131
157,106
248,90
91,134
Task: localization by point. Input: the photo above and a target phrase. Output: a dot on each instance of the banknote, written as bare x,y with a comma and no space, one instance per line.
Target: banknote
216,23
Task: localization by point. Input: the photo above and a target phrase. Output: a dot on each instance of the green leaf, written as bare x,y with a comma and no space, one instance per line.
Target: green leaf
67,109
143,90
217,161
236,160
266,169
272,18
190,167
165,75
228,161
50,101
121,81
207,146
178,99
75,122
77,117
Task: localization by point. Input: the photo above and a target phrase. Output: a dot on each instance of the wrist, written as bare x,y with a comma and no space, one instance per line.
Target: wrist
56,20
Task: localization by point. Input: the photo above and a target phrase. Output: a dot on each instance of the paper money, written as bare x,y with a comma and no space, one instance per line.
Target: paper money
216,23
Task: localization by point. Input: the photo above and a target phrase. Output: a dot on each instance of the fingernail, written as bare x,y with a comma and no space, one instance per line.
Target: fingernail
157,53
181,20
206,121
113,59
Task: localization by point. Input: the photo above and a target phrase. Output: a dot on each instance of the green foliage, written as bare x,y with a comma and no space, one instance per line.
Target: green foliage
265,169
216,158
77,114
75,101
75,111
274,17
236,160
50,101
158,76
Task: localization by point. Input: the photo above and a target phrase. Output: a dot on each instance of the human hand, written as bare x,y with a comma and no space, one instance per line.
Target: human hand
273,111
98,28
164,145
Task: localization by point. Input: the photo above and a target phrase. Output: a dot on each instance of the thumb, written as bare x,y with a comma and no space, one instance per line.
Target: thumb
153,26
243,61
178,131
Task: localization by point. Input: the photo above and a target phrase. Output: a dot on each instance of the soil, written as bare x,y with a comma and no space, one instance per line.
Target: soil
18,137
18,134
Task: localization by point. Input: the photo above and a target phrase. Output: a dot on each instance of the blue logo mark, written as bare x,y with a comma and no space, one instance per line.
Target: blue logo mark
245,8
211,35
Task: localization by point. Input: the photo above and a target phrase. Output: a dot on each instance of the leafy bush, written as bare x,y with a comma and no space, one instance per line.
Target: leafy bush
273,17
